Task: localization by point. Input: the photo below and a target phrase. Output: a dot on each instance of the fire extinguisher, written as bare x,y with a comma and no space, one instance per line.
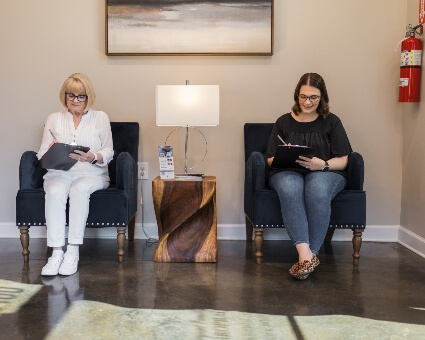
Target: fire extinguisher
410,66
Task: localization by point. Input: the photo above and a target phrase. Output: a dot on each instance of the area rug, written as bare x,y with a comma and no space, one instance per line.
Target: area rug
13,295
96,320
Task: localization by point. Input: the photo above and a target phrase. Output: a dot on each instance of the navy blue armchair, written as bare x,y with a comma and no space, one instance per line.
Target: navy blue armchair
262,206
115,206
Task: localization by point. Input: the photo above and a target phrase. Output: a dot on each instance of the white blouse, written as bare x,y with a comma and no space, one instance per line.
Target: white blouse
93,131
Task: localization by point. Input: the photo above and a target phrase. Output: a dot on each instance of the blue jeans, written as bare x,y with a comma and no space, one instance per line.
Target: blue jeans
305,202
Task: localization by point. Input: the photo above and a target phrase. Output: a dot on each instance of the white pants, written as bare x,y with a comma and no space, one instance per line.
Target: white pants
58,187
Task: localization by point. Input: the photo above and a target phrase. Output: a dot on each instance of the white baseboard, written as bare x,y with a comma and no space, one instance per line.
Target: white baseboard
8,230
411,241
225,232
371,233
237,232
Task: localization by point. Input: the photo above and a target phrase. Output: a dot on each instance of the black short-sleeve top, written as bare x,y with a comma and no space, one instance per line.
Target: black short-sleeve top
327,135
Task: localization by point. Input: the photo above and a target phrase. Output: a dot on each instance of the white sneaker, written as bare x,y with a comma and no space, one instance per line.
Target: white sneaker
52,266
69,265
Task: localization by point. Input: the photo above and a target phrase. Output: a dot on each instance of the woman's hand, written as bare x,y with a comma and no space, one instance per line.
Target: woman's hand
312,164
88,156
82,156
270,161
315,164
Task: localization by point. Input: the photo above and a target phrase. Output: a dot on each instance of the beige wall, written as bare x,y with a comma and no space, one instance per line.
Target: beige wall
350,43
413,192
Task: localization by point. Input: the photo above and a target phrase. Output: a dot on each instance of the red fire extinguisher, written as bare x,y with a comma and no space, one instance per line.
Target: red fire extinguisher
410,66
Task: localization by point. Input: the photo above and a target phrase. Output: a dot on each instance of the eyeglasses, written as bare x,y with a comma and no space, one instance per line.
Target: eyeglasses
80,97
314,98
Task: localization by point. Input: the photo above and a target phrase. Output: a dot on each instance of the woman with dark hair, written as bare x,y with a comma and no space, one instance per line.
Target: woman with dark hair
306,193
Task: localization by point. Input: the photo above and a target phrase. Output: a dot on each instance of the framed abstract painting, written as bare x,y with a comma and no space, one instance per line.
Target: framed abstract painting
189,27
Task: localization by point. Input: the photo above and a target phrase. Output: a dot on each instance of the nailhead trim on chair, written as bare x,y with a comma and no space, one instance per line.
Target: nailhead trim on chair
269,226
330,226
347,226
29,224
98,223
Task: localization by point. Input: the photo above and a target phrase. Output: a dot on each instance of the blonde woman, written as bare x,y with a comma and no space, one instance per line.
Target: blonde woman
77,124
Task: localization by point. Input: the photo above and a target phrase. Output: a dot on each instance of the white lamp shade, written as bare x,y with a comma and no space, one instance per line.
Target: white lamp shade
187,105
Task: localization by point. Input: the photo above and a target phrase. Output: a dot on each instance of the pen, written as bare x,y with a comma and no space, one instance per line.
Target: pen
277,137
51,132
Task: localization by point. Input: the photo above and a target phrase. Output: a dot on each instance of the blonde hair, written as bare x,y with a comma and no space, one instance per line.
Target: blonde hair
78,83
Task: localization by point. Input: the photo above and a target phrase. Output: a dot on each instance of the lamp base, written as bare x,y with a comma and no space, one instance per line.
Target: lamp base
186,168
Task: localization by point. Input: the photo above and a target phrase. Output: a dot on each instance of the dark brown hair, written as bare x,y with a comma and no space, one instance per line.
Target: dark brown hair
315,80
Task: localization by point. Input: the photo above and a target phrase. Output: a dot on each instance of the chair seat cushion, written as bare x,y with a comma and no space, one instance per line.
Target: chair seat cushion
348,210
108,207
30,207
111,208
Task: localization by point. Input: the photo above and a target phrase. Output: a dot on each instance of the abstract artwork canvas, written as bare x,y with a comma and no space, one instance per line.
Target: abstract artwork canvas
189,27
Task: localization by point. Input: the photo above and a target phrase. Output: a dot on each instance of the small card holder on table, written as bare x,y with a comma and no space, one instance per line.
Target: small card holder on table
166,162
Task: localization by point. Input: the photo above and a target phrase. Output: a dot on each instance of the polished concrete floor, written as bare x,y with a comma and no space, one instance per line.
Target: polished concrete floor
388,284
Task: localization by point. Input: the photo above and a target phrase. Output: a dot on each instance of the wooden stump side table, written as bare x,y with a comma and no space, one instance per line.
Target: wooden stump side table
187,219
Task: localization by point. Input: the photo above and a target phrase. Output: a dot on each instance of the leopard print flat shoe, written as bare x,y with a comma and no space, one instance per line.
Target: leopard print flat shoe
301,270
315,261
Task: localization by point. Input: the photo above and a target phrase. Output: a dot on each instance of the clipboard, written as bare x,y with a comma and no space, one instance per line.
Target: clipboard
57,157
286,155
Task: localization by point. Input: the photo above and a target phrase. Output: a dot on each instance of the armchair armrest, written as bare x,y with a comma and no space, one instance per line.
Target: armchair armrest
255,179
355,170
126,179
30,173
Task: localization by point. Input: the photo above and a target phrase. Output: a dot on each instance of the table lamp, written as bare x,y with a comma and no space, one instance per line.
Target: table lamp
187,106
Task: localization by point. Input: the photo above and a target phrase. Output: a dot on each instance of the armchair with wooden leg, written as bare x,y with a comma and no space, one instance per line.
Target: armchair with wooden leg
262,206
115,206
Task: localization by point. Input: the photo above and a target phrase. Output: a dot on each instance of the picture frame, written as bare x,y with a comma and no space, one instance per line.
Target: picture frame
189,27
